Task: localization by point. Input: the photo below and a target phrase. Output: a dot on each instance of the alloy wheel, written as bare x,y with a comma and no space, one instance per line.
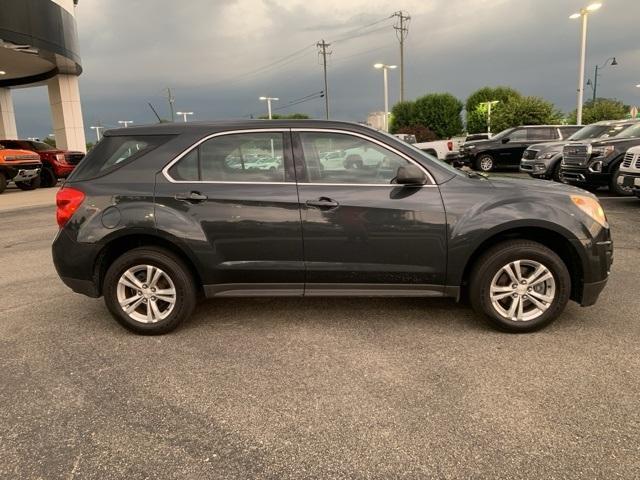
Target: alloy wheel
486,164
522,290
146,293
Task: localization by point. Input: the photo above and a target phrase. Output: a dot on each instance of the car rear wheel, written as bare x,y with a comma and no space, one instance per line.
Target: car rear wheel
485,163
616,188
48,178
149,291
520,286
3,182
30,185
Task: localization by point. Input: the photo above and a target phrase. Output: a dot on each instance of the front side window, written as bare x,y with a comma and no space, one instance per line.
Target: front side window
343,158
238,157
519,135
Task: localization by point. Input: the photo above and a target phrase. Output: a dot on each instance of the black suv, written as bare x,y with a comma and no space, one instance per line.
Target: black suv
596,163
544,160
505,149
155,216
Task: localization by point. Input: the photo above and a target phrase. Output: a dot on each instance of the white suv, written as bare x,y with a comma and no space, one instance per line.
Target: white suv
630,170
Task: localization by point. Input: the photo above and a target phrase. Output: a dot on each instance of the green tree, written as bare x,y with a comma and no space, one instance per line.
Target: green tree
440,112
477,113
524,111
402,116
601,109
289,116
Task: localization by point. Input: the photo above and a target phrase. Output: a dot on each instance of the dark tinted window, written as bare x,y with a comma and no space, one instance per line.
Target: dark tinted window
519,135
241,157
541,133
114,151
569,130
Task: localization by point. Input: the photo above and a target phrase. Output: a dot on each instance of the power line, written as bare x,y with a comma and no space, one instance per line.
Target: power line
353,33
291,104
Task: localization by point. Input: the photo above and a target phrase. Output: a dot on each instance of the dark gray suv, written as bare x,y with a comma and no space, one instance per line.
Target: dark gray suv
155,217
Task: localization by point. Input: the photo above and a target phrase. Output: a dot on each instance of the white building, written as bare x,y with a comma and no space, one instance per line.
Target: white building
39,46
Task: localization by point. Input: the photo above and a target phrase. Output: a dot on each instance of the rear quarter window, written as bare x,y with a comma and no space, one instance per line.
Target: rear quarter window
113,152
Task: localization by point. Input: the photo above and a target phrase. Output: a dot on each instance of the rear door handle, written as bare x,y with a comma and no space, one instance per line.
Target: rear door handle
191,197
322,203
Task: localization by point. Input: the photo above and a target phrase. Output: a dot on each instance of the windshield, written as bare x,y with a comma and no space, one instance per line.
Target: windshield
598,131
503,133
631,132
40,146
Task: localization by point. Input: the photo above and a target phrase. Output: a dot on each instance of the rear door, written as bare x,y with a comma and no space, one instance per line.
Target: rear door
362,233
233,198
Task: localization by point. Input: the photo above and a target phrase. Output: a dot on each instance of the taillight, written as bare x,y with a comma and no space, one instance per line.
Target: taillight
67,200
450,145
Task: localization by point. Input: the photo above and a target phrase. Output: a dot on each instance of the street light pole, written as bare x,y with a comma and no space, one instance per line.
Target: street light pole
385,69
125,122
613,63
97,129
269,100
184,115
489,104
583,15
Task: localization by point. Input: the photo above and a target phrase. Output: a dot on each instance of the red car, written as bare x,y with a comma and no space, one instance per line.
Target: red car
56,163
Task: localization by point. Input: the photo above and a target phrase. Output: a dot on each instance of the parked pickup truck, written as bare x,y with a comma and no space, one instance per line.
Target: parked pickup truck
441,149
594,164
56,163
20,166
630,171
544,160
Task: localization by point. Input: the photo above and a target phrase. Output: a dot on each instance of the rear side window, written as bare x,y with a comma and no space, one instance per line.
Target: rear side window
114,151
241,157
542,133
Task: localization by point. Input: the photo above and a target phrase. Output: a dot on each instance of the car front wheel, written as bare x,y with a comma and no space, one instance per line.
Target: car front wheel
149,291
485,163
520,286
618,189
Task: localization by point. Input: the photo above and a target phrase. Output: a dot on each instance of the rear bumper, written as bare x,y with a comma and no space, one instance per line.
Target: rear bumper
75,263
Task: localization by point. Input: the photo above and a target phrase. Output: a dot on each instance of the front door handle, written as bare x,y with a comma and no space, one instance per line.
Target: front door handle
191,197
322,203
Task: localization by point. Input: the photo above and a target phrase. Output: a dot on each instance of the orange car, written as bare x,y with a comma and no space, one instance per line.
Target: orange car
21,166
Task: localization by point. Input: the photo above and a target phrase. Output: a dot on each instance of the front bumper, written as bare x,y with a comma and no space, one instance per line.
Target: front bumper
22,172
63,171
533,166
26,174
582,176
632,180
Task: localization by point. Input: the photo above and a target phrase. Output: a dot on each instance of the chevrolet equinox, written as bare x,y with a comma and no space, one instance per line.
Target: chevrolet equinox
157,216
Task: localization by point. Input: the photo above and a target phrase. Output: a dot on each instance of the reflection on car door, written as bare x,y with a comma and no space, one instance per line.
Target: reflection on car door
361,233
234,198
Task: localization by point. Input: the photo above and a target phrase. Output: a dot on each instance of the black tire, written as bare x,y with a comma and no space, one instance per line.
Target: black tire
173,267
489,266
555,176
619,189
30,185
3,182
485,163
48,178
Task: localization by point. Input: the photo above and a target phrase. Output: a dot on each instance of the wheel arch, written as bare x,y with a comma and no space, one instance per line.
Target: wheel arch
551,238
117,246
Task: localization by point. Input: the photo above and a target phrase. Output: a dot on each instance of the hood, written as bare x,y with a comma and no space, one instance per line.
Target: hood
525,185
614,141
548,146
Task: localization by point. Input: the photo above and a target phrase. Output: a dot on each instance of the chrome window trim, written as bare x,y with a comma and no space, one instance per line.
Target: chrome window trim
165,170
366,137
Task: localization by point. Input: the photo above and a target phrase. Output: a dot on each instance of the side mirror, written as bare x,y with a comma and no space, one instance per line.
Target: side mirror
410,175
505,140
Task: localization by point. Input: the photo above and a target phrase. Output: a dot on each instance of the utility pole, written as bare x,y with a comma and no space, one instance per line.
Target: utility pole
402,31
97,128
171,100
269,100
322,50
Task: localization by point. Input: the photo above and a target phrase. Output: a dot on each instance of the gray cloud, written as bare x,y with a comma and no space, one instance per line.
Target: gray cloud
204,50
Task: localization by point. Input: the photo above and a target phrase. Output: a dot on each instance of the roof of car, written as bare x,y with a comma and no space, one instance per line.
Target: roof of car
204,127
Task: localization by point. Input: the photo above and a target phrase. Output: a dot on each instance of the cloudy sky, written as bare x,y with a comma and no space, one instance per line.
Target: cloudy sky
218,55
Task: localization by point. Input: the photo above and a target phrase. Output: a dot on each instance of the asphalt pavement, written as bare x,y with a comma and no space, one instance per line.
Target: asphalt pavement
313,388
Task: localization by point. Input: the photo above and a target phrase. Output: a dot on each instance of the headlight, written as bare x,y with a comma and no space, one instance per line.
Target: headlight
591,207
469,147
604,151
549,155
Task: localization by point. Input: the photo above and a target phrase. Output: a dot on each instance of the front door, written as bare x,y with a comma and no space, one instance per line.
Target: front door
362,233
510,153
233,197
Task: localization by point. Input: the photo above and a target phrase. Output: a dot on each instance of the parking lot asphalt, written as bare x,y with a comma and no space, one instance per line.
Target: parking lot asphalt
313,388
